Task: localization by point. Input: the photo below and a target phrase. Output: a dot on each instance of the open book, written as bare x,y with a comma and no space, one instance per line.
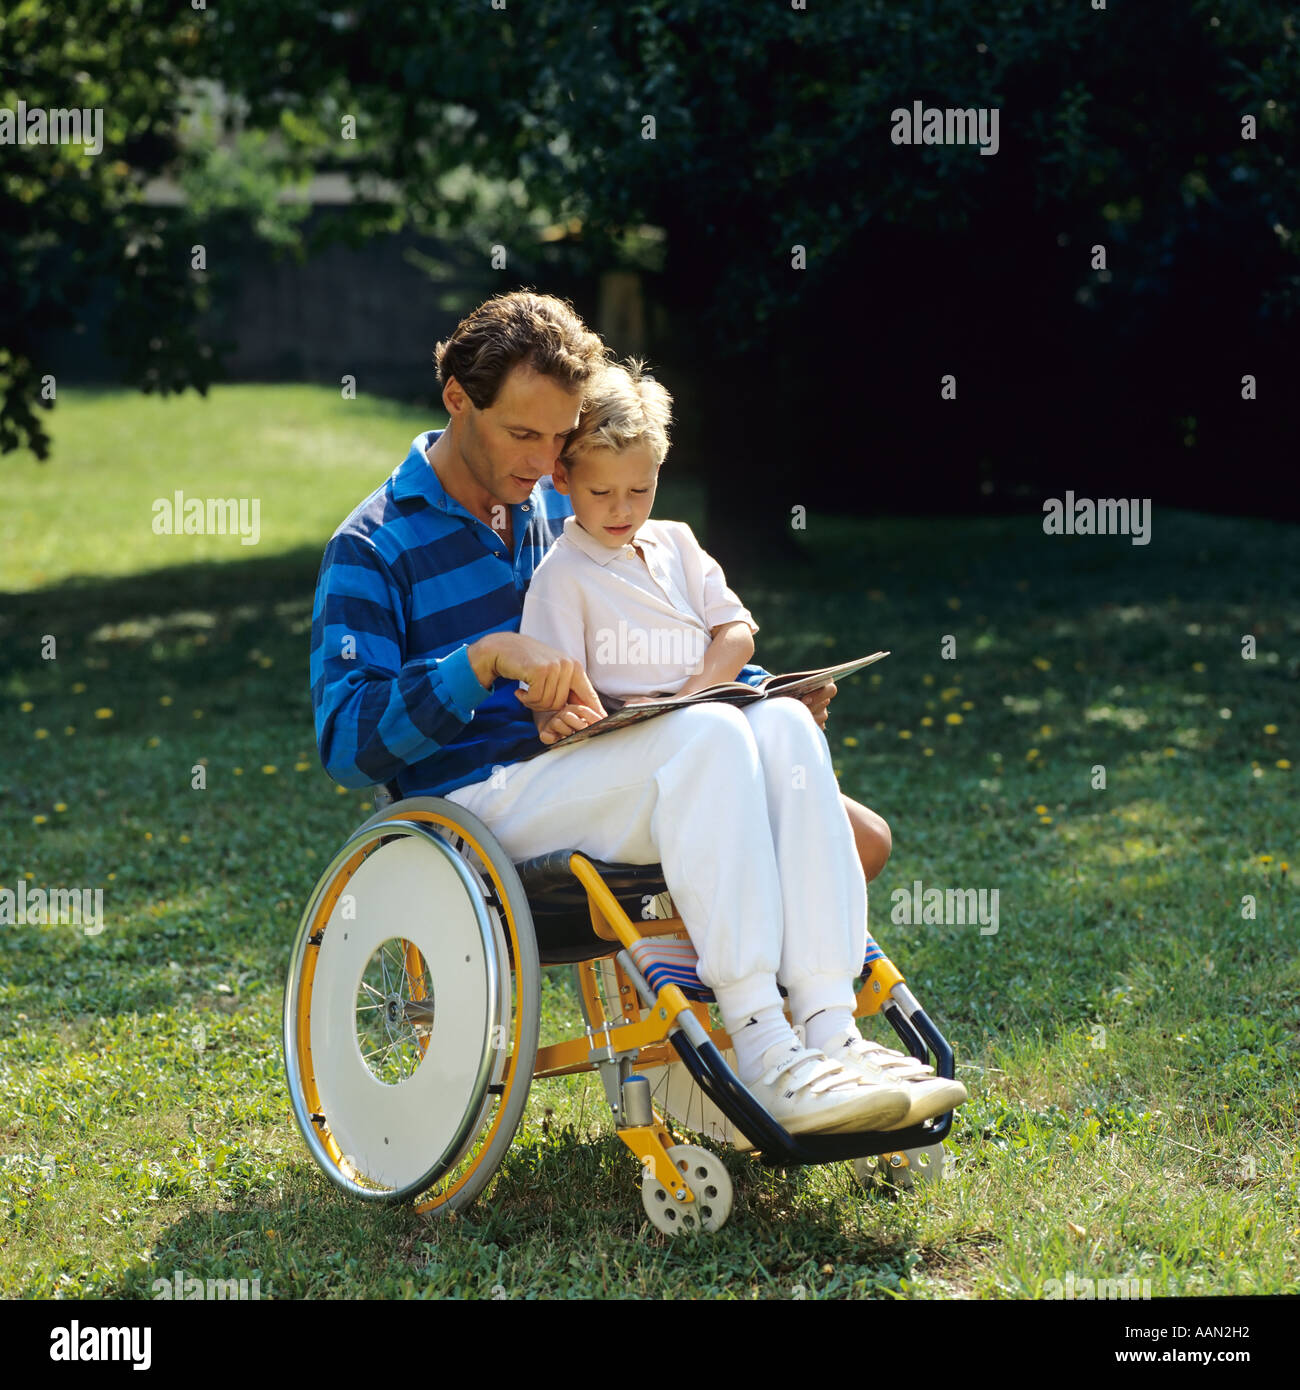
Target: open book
728,692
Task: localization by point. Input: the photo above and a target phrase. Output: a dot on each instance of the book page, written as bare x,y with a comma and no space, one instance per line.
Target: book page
801,682
733,692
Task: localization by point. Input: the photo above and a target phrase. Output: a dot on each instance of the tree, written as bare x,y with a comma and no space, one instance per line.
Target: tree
799,240
74,216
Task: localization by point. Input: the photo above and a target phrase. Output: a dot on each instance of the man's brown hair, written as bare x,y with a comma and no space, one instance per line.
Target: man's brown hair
537,330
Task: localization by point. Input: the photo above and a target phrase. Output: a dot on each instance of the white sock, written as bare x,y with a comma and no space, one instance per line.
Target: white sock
827,1026
753,1035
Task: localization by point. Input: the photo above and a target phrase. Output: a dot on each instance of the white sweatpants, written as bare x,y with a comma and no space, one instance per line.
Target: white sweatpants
741,807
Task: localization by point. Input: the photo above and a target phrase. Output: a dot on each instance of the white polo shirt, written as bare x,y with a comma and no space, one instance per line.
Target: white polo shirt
639,627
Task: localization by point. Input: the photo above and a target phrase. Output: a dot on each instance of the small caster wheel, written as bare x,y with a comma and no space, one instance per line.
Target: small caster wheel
905,1169
709,1182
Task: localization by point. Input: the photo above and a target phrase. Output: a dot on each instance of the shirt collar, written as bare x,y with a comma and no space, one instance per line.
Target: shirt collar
415,478
596,550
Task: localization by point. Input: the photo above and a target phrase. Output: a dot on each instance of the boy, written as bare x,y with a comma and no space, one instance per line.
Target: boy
647,612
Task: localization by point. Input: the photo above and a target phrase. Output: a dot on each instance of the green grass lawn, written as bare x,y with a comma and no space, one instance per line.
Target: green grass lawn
1128,1034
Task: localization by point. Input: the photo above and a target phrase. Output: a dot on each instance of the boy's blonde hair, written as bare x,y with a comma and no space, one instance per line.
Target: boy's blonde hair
623,406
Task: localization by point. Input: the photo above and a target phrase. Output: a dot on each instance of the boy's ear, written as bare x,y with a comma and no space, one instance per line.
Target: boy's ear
560,477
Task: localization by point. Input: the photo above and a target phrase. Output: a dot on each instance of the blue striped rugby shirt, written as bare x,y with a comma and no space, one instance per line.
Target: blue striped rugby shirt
413,578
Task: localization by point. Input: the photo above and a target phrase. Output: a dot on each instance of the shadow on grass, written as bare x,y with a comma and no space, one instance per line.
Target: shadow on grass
563,1218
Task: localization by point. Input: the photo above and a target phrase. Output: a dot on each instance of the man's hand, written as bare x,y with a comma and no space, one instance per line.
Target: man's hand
555,726
554,680
818,700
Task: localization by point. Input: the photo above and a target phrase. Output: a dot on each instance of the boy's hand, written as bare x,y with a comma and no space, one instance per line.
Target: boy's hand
557,724
818,700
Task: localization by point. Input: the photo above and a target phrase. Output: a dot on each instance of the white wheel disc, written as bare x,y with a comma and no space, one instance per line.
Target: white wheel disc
394,1132
709,1182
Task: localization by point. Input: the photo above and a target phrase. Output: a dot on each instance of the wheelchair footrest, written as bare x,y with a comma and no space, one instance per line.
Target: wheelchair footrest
777,1145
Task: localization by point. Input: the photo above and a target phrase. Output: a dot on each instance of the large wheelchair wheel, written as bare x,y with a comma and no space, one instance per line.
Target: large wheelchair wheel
412,1008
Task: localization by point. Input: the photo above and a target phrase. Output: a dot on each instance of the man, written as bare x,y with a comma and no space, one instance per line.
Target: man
416,667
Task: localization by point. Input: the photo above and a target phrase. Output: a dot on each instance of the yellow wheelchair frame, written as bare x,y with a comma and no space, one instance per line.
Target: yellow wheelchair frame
444,954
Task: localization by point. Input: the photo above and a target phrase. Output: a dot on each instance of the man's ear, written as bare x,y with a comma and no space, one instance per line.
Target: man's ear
455,399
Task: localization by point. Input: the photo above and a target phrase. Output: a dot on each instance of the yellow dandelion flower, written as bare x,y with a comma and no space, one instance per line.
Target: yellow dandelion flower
968,704
265,661
155,741
148,834
1032,754
103,714
1171,752
1198,666
39,820
1045,731
1284,866
305,767
185,839
1042,663
875,678
239,772
1284,764
927,680
111,877
164,699
268,768
950,694
198,714
953,718
929,752
79,688
1045,820
1265,858
60,806
1040,810
905,733
42,733
27,707
341,791
1270,728
926,721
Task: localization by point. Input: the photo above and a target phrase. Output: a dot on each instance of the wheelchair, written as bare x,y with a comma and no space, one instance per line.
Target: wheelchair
412,1018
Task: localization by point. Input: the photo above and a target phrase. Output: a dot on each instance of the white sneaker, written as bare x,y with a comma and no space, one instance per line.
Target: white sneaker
928,1095
805,1091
